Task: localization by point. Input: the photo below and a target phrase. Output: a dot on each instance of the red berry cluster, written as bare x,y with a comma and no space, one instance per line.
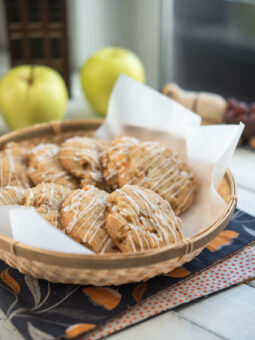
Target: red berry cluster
239,111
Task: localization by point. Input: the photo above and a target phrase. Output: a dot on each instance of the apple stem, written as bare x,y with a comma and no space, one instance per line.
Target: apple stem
31,75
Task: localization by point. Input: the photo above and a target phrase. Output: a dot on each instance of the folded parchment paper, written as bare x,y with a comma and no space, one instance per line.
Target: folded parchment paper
138,110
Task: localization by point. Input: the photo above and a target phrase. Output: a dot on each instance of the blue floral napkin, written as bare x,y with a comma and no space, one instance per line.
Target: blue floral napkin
44,310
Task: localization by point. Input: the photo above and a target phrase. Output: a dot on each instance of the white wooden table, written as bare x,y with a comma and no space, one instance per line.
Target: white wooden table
226,315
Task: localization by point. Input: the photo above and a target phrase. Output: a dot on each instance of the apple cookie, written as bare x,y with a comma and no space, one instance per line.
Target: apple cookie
80,156
13,166
113,156
47,199
139,219
156,167
83,218
45,167
11,195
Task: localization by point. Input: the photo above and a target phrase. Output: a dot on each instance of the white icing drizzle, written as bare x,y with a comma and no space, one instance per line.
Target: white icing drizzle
11,195
166,223
30,198
41,147
1,169
132,242
11,165
165,176
79,150
113,151
82,206
49,196
105,244
47,155
2,196
18,159
86,141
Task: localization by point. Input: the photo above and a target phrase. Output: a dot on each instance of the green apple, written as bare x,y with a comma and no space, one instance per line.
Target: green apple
32,94
101,70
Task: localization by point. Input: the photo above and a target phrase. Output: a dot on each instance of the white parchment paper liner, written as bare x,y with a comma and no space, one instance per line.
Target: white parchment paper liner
138,110
27,226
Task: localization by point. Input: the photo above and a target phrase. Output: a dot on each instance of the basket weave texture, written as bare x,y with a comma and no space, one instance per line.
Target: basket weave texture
107,269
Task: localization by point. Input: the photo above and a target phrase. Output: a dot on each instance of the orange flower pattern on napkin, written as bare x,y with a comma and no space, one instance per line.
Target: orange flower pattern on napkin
179,272
44,310
223,239
9,281
106,297
139,291
79,329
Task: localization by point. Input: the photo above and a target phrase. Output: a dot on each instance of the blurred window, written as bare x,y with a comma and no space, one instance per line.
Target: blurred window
34,11
55,14
55,48
209,46
14,12
16,46
36,48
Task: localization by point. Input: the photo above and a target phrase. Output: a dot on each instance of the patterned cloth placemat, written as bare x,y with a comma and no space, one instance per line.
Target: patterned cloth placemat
44,310
232,271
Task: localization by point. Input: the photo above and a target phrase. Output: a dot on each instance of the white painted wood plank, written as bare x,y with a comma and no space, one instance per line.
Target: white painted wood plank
170,325
242,166
246,200
7,330
230,313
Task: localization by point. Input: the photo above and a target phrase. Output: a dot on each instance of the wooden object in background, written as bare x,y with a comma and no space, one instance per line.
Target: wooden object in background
214,109
37,34
209,106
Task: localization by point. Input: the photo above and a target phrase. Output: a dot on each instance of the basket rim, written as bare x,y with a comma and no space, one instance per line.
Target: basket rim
118,260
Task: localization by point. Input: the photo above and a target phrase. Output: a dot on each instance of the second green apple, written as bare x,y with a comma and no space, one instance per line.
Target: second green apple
101,70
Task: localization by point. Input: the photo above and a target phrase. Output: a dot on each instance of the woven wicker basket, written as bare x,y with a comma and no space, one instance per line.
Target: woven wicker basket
105,269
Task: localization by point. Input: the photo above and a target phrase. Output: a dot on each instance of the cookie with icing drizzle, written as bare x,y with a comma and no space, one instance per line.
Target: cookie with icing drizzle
80,156
45,167
11,195
156,167
139,219
114,157
83,218
47,199
13,167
